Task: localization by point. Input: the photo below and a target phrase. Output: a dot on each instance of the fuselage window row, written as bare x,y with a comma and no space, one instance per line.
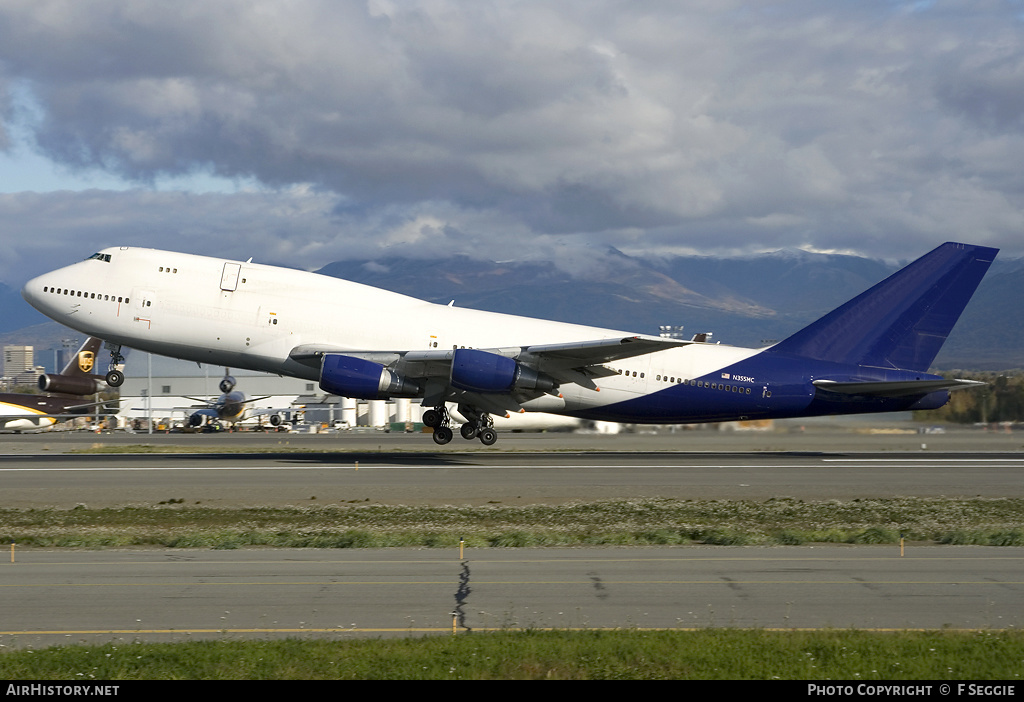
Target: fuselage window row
694,383
79,293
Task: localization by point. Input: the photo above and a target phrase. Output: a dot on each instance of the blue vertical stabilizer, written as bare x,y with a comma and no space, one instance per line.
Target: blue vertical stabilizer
904,320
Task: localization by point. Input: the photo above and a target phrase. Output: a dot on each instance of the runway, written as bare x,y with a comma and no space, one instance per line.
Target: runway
41,471
59,596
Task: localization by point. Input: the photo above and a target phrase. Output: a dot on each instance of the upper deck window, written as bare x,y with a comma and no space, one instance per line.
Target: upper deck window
99,257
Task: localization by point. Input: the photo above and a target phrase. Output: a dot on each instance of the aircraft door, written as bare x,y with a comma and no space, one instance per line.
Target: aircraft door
229,276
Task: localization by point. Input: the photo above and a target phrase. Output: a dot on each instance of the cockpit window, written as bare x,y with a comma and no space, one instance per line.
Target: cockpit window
100,257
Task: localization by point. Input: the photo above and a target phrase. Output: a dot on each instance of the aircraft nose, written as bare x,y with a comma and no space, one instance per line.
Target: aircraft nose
32,291
39,292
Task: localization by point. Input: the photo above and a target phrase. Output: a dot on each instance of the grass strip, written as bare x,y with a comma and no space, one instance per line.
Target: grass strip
777,521
714,654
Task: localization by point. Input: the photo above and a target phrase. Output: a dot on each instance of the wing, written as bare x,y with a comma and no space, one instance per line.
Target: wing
55,417
68,412
494,379
581,362
205,401
65,413
577,353
213,403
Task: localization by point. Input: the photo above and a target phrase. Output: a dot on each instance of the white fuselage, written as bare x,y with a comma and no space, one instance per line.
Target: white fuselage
16,416
247,315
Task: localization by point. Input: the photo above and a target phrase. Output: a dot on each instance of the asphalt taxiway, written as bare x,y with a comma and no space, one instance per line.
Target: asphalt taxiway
57,596
53,597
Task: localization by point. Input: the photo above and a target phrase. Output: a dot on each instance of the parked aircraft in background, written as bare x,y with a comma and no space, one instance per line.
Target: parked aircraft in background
25,412
232,407
869,355
534,421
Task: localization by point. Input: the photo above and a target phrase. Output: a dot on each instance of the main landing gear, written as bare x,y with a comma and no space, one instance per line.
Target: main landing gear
479,425
115,377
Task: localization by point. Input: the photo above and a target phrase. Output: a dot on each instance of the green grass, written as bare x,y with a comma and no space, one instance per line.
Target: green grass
980,521
725,654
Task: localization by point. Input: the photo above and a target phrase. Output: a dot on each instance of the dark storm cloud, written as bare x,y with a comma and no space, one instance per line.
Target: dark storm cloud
989,92
494,128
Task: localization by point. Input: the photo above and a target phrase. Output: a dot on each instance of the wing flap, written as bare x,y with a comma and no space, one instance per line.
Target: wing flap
589,353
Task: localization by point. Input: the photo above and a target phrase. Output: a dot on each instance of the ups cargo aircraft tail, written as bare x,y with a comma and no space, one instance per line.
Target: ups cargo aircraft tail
77,377
869,355
24,412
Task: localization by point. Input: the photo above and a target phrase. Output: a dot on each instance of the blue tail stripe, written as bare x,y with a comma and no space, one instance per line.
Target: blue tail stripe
902,321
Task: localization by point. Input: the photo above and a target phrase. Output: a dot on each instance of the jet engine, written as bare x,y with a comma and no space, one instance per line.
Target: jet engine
69,384
358,378
482,371
227,384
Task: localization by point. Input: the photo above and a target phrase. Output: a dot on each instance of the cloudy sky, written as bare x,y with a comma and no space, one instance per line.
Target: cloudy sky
307,131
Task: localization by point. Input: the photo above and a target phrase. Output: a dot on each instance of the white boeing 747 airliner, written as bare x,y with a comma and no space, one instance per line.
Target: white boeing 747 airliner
869,355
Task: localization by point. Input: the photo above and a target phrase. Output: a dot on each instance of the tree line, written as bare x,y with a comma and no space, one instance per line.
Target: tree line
1001,399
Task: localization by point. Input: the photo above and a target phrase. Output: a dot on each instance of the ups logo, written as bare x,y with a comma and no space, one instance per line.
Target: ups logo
86,360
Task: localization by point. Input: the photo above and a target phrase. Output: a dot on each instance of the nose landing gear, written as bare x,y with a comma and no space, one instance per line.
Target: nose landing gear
115,377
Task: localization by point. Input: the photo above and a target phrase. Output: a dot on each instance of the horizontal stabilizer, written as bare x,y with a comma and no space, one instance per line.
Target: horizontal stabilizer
895,388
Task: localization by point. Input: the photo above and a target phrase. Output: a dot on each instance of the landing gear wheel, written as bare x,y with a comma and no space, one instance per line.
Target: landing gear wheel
488,436
468,431
442,435
114,377
432,418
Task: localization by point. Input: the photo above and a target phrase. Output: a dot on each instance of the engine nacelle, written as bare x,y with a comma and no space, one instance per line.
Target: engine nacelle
227,384
69,384
358,378
482,371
